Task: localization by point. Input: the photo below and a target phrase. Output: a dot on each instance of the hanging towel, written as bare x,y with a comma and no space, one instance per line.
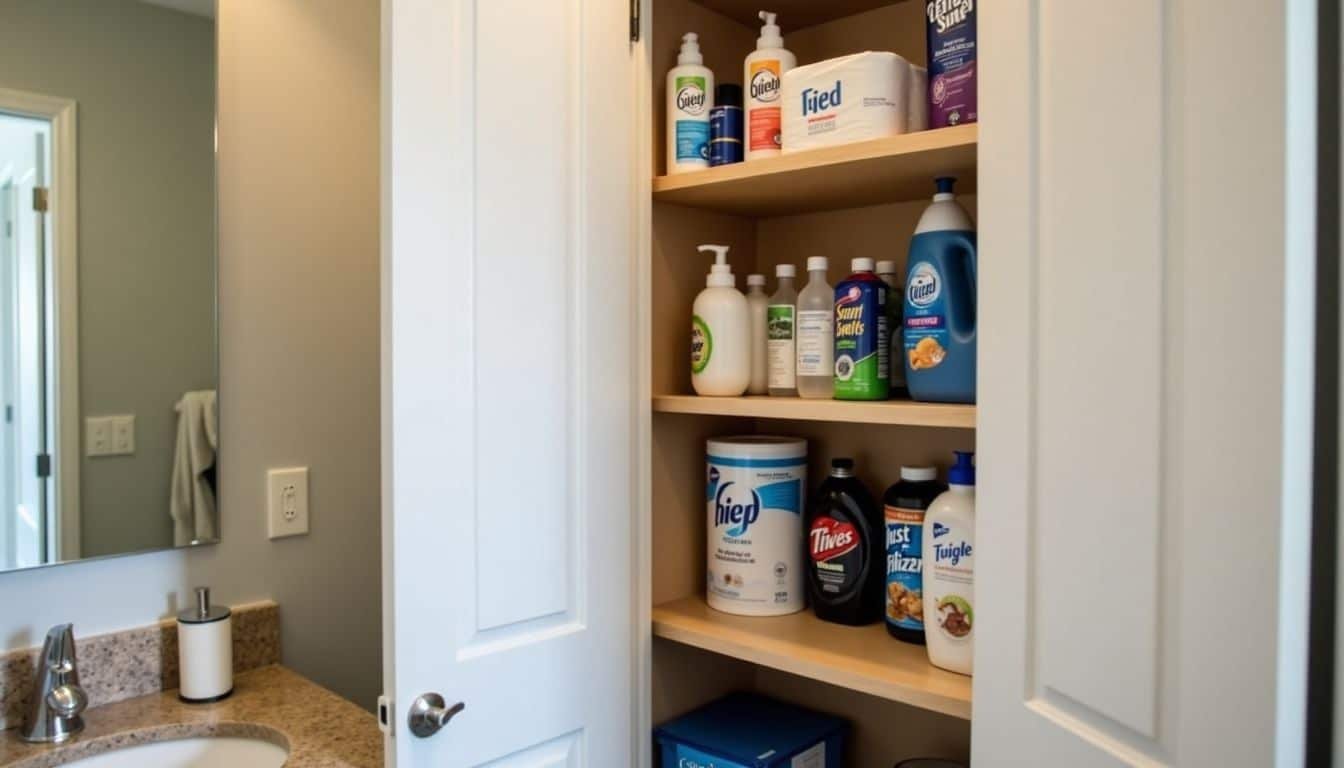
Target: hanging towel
192,505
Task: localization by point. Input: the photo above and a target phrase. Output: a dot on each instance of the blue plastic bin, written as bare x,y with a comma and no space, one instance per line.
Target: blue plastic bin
745,730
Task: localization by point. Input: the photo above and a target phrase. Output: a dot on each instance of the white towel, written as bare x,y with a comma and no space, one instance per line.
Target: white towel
193,501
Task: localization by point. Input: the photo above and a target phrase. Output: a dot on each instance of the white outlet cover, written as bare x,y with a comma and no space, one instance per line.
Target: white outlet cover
287,502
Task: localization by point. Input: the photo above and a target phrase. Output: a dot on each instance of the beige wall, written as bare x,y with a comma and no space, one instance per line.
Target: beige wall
144,80
299,354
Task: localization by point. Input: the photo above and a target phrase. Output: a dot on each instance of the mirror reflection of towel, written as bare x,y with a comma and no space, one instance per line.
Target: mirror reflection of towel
192,504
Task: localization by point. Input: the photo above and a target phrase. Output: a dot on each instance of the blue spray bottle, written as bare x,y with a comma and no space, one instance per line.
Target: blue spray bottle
940,303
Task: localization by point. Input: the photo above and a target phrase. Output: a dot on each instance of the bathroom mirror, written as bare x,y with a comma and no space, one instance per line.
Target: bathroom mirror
108,328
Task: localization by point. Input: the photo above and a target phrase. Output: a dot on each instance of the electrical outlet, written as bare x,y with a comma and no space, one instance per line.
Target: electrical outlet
123,434
287,502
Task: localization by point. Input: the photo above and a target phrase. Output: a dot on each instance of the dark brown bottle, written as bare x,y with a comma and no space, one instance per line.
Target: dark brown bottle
846,566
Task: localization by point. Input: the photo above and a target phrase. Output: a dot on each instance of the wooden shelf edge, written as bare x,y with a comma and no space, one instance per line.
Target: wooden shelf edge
690,622
883,412
954,137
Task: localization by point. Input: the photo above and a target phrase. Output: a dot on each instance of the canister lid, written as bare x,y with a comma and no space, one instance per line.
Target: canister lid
919,474
757,447
203,612
728,95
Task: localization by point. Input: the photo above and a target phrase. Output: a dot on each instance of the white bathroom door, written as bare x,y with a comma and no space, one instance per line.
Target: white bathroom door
508,380
1139,362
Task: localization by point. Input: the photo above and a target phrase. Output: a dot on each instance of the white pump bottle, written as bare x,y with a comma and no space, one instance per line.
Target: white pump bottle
690,95
763,74
720,332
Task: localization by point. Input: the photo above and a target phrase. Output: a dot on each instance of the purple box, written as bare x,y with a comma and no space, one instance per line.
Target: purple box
952,78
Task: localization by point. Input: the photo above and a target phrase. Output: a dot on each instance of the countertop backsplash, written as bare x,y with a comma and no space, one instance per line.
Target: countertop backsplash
135,662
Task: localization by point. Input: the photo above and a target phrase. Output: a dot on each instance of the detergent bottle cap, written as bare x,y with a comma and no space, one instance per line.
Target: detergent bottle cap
756,280
770,34
721,274
861,264
690,50
886,267
963,472
785,270
817,264
943,185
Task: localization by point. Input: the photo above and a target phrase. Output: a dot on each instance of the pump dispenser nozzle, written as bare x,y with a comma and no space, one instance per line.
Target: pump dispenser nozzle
690,50
721,274
770,37
963,472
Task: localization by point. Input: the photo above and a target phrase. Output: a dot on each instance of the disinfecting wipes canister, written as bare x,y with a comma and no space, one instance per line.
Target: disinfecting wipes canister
754,493
852,98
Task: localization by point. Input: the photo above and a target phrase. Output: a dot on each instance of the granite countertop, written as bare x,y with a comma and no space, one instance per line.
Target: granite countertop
320,729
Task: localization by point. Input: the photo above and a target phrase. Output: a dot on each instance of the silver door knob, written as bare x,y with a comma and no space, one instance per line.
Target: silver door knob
430,712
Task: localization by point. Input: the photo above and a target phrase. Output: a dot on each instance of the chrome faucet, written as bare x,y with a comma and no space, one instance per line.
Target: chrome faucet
57,702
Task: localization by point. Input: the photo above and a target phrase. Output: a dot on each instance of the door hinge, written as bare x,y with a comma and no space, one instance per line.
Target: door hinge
44,465
41,199
634,20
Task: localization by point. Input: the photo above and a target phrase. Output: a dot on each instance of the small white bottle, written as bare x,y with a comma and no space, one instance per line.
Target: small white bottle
720,332
816,333
781,327
759,304
690,86
763,73
949,571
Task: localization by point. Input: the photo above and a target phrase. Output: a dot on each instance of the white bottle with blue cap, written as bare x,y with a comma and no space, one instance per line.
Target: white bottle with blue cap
949,570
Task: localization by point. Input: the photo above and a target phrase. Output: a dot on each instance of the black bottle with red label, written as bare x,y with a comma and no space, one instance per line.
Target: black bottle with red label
847,555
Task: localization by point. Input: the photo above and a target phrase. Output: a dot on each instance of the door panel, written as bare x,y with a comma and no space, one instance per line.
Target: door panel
508,379
1131,385
1100,254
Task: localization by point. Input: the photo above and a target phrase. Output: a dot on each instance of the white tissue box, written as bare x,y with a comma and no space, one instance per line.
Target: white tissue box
838,101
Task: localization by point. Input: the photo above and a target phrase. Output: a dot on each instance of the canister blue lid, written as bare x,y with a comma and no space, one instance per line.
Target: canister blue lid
750,729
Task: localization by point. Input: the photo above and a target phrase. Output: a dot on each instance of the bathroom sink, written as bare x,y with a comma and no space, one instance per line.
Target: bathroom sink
201,752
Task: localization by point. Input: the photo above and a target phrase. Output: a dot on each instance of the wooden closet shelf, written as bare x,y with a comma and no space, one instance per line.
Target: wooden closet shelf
889,412
864,659
795,14
887,170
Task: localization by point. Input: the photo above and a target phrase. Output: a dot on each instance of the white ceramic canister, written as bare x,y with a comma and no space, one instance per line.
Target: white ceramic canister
205,650
754,492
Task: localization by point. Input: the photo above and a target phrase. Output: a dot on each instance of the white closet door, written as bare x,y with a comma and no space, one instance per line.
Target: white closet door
508,379
1132,382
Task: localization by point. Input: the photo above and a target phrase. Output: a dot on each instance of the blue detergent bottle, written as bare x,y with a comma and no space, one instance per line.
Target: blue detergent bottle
939,328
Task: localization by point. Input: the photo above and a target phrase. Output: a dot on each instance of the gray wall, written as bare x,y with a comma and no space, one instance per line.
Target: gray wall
299,331
144,80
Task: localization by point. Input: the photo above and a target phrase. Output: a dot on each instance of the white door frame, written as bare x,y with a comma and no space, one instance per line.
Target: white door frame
63,427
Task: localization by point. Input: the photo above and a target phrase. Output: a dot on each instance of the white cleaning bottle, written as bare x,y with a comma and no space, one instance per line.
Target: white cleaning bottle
720,332
759,303
763,73
949,571
816,333
690,86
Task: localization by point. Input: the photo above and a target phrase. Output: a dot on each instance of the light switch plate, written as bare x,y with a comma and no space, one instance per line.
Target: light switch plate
109,435
287,502
123,434
97,436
